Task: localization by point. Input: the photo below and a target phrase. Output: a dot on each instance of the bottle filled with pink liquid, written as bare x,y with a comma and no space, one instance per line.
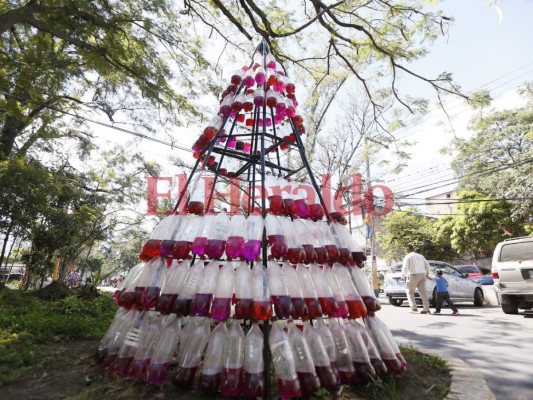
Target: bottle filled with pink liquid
260,293
300,201
284,364
309,291
200,241
315,238
236,236
325,295
164,350
129,346
172,234
295,291
138,367
124,293
154,278
356,307
334,284
361,360
321,361
274,194
220,310
174,278
188,289
387,346
345,255
218,235
253,377
295,251
357,252
276,237
279,291
303,361
231,382
363,287
201,302
329,241
306,239
344,362
153,244
110,349
213,360
254,237
192,229
244,308
198,197
329,344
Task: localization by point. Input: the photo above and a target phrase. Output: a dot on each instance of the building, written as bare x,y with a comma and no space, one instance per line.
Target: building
441,204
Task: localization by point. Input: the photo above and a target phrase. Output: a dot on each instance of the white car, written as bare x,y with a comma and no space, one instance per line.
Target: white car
512,271
460,287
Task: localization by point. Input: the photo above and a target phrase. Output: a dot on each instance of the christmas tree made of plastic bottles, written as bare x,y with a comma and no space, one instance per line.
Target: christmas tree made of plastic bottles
219,299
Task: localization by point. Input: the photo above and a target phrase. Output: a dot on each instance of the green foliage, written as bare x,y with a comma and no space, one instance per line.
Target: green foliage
402,228
27,322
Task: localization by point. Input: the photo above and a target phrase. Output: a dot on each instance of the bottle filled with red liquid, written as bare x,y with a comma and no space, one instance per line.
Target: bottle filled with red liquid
334,284
295,291
329,344
326,298
328,240
344,362
204,292
387,346
363,287
103,346
213,360
129,345
295,251
260,293
309,291
153,244
164,349
254,235
320,357
306,240
356,307
188,289
124,293
279,291
243,292
220,310
303,361
253,378
171,235
138,367
276,237
218,234
231,383
192,229
152,281
284,363
236,236
357,339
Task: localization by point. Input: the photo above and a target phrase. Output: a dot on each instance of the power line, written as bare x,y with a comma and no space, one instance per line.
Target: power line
465,201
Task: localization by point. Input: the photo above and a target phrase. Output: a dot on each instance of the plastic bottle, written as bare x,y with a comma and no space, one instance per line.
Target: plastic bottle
271,97
300,202
138,367
306,240
283,361
344,360
124,293
172,234
356,307
163,350
329,344
274,189
243,292
295,291
315,238
316,211
200,241
345,256
152,245
253,378
225,106
174,278
192,354
129,346
220,310
361,360
212,369
254,237
276,237
309,291
279,292
259,97
204,292
329,241
112,347
236,236
288,196
388,350
103,346
210,132
218,234
260,293
358,255
321,360
295,251
373,352
323,290
236,78
154,278
198,198
379,323
363,287
188,289
334,284
190,231
231,383
303,361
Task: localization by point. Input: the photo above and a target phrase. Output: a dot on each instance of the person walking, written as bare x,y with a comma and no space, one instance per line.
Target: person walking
416,269
443,295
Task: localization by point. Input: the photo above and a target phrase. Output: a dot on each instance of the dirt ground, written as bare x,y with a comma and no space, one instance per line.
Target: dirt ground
72,374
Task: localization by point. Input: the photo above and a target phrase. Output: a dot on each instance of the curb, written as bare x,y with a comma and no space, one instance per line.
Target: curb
467,382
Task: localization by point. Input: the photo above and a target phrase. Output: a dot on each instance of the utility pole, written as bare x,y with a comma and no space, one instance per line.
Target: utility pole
373,262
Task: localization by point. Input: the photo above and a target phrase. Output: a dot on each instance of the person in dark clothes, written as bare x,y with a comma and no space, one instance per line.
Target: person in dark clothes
443,295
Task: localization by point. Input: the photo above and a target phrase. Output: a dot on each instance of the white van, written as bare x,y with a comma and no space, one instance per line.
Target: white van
512,271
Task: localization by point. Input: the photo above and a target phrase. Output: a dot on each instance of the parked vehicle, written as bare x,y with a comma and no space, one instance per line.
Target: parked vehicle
460,287
477,274
512,270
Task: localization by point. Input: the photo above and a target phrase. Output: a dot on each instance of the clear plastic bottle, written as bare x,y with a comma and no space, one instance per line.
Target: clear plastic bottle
388,349
244,308
325,294
190,231
306,240
300,202
212,369
303,361
152,245
363,287
164,350
253,379
276,237
358,254
334,284
356,307
172,234
156,277
210,132
295,291
284,365
111,348
254,237
345,256
124,293
309,291
344,360
236,236
138,367
220,310
200,241
231,383
197,199
174,278
192,354
329,241
218,234
188,289
260,293
131,343
315,239
204,292
279,292
321,360
103,346
361,360
295,251
289,208
274,190
329,344
316,211
373,352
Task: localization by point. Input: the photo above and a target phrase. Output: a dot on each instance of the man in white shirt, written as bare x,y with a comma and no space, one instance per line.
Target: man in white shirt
416,269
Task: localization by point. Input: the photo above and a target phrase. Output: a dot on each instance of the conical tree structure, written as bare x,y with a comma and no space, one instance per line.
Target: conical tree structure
277,255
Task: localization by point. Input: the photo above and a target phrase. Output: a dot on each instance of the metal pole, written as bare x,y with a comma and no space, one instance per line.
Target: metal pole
373,261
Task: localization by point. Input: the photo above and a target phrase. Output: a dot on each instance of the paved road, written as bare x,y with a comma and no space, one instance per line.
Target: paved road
499,346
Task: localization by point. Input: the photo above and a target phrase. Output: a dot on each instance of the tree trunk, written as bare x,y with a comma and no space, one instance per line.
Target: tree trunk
6,238
12,128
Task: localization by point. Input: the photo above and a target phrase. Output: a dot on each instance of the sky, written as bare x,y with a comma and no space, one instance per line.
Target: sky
480,50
